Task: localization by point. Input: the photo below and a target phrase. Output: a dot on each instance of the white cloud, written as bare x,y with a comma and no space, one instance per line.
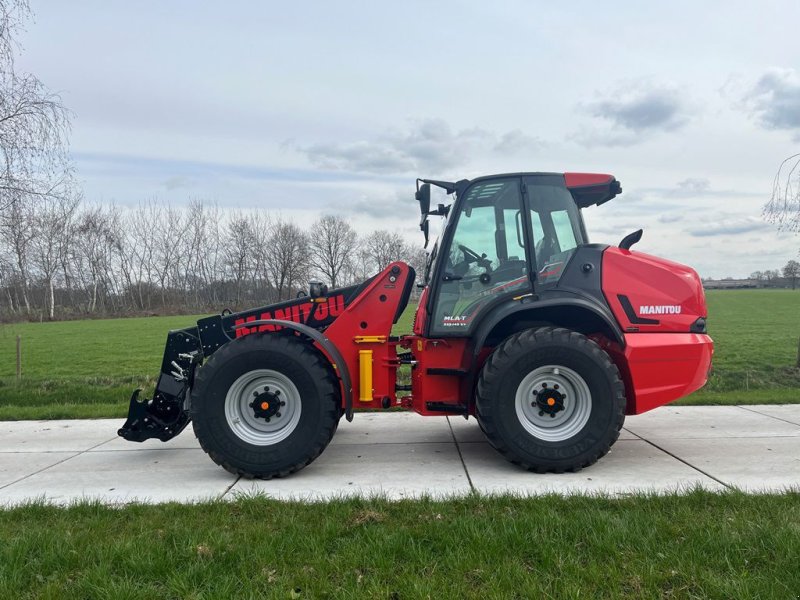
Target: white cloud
428,146
726,227
774,100
632,113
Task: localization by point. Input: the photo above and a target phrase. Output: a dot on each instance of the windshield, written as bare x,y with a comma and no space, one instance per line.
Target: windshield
429,262
434,251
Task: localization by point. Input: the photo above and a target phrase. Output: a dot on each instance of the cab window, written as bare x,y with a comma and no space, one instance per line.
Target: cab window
486,258
556,227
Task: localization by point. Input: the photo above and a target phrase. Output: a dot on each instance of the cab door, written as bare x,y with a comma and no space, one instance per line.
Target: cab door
556,225
484,256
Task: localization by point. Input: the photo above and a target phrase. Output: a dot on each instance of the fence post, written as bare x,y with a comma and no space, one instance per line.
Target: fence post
19,357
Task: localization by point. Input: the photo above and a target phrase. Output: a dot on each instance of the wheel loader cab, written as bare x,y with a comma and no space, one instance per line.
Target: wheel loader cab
507,236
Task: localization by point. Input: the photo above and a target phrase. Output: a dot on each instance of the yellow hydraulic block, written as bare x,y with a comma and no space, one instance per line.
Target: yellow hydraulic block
365,375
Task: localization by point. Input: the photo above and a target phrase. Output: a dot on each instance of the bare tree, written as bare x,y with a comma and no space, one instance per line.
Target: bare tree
166,234
137,253
783,207
384,247
332,242
239,251
52,219
418,258
33,125
17,231
92,253
287,258
792,272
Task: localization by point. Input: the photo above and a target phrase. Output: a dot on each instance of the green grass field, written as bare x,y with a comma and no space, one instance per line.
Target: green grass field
699,545
79,369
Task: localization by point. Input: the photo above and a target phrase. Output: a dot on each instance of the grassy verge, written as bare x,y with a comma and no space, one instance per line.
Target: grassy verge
83,369
700,545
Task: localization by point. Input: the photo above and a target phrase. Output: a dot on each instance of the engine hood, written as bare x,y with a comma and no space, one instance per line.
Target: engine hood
651,294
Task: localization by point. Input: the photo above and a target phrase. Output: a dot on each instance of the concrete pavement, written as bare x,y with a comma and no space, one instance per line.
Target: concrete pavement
401,455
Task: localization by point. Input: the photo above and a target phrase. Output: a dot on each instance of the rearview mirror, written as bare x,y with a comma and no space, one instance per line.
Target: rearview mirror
423,196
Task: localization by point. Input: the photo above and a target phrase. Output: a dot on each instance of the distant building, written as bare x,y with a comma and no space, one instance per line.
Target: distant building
736,284
731,284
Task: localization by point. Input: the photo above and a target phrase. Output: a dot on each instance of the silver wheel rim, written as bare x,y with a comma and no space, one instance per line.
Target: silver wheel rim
240,415
566,423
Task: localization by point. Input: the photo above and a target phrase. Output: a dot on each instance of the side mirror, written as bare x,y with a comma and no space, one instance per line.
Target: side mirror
423,196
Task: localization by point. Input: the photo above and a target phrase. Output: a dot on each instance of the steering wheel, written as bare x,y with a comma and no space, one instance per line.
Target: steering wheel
469,253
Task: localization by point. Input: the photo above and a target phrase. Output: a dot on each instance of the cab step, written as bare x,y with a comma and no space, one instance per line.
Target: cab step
454,409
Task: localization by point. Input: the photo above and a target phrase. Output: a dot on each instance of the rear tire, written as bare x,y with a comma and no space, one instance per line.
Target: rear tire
265,405
550,400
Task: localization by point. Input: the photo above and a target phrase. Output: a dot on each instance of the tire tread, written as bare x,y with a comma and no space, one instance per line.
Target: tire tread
491,375
311,357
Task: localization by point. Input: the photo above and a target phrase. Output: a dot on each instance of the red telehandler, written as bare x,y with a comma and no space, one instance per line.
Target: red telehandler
547,340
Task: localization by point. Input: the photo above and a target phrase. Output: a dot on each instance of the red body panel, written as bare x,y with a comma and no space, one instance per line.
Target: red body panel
574,180
371,314
665,292
421,316
658,368
662,361
437,354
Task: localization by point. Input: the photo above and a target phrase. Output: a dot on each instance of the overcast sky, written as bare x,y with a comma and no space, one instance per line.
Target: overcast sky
312,107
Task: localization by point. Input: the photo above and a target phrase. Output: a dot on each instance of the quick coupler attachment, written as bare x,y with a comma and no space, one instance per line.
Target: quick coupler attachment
163,417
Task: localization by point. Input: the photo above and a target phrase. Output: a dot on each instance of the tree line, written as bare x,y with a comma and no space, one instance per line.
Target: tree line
62,258
790,272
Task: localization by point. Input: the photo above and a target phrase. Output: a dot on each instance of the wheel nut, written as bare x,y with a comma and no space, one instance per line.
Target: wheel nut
277,414
283,403
552,415
267,418
255,393
541,413
277,392
535,392
544,385
555,387
266,388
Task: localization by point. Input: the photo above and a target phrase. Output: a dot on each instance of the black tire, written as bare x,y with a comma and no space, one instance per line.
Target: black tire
520,434
317,403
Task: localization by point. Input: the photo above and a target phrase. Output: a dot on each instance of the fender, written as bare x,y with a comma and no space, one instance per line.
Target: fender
527,306
338,360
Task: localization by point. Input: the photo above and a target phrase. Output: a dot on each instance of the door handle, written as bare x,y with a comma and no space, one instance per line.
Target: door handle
451,277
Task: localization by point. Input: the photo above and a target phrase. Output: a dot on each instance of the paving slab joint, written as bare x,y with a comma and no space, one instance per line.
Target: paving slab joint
678,458
230,487
752,410
461,458
61,462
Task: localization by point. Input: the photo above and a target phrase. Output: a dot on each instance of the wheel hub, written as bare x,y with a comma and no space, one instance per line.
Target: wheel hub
548,400
553,403
263,407
267,404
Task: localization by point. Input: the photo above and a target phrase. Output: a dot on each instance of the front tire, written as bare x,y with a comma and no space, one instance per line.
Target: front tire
265,405
550,400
